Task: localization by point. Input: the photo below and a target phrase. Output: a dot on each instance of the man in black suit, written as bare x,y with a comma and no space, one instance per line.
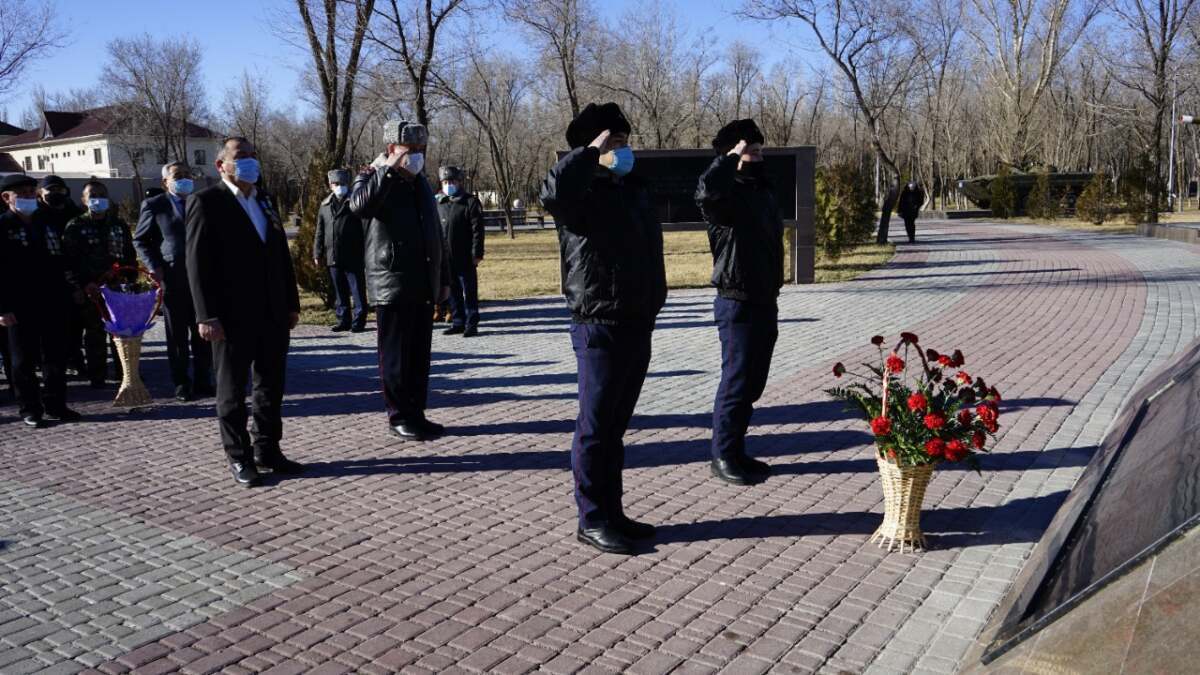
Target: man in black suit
160,240
244,292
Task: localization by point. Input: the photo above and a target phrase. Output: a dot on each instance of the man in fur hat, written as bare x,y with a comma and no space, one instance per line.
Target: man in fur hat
615,284
745,234
462,223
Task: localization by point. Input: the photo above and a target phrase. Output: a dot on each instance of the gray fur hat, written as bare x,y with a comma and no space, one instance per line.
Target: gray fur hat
402,132
338,176
450,173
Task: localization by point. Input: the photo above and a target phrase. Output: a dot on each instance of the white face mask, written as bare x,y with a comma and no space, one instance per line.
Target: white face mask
341,191
413,162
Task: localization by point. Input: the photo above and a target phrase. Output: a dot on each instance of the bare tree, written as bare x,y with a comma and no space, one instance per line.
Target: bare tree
336,56
780,98
248,111
745,67
864,41
27,31
155,85
407,35
561,26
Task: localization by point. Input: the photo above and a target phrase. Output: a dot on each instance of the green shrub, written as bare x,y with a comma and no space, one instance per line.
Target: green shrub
1041,203
1095,202
1003,195
1135,192
309,276
845,208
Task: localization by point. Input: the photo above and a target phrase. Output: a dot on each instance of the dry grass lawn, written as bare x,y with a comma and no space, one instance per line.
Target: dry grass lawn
528,266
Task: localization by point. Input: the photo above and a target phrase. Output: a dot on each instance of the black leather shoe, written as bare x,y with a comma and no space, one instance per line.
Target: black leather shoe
406,431
64,415
431,429
358,329
605,538
340,328
471,331
183,393
454,330
731,471
279,464
245,473
632,528
755,467
203,391
34,422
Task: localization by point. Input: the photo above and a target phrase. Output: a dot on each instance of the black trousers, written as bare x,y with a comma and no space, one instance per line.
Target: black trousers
910,227
6,357
405,332
183,337
256,355
748,334
40,337
349,284
95,342
464,295
612,363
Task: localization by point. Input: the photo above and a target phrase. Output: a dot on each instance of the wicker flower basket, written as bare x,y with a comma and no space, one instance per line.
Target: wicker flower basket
133,392
903,493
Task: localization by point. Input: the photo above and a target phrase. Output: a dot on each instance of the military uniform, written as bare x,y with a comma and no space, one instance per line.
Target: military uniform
462,224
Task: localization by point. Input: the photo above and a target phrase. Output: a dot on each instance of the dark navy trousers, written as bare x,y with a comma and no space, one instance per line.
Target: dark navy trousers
349,284
612,363
464,296
405,344
748,333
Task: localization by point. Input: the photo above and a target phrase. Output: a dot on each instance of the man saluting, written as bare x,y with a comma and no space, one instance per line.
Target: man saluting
615,284
244,291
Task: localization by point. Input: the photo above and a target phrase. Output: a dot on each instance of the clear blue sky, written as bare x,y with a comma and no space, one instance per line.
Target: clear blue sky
236,35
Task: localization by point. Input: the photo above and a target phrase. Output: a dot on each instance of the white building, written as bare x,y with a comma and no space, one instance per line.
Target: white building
80,145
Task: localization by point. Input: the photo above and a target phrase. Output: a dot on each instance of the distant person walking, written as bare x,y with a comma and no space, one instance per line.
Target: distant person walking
338,245
462,223
912,197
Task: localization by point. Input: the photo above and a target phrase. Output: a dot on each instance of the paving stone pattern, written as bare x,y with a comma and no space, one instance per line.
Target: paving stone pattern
125,546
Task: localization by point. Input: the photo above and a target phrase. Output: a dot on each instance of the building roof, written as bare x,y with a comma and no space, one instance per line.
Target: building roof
60,126
9,165
7,129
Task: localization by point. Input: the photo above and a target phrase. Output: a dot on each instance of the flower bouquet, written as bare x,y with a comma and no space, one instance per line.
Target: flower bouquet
941,414
130,305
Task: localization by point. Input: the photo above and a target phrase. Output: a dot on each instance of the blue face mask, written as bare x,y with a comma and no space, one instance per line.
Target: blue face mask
26,206
98,204
623,161
450,189
246,169
183,186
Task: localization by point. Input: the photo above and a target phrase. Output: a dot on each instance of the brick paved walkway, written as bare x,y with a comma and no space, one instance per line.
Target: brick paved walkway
124,544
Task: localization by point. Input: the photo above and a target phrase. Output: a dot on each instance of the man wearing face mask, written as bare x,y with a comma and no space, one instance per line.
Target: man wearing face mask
160,240
35,302
246,301
614,281
407,273
95,241
338,245
745,234
58,209
909,207
462,222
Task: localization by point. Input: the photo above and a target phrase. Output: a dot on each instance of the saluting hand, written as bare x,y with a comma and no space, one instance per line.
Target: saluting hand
600,141
212,331
738,149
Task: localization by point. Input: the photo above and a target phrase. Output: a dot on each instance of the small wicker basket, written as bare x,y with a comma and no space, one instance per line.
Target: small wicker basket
903,493
133,393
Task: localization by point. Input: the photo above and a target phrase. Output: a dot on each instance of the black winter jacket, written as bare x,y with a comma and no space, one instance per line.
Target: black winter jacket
610,242
405,256
462,223
745,232
909,204
339,237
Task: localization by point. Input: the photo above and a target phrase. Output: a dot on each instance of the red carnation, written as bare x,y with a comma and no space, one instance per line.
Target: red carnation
993,393
991,425
978,439
894,363
838,369
963,377
964,417
955,450
986,412
891,453
917,402
910,338
881,426
945,361
935,447
958,358
934,421
877,340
